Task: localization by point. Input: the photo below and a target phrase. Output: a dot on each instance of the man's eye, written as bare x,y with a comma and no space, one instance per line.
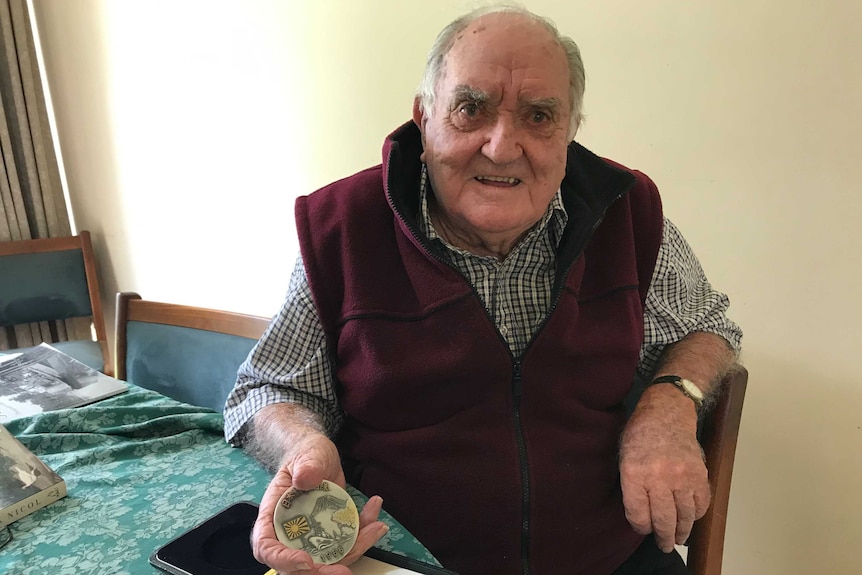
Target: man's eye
470,109
539,117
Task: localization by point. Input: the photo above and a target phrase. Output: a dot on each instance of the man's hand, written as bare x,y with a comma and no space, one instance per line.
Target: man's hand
663,475
310,458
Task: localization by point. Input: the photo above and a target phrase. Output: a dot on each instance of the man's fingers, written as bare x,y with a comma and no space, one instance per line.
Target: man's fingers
370,529
264,529
308,474
368,536
314,459
312,466
685,515
702,498
637,506
370,511
265,545
273,553
663,510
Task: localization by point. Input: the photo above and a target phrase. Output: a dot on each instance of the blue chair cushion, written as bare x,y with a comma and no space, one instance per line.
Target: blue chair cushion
191,365
87,352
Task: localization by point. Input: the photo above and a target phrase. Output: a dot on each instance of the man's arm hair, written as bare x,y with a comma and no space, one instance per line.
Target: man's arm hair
702,357
275,428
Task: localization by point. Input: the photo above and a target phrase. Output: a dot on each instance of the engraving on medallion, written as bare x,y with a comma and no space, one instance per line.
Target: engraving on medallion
323,522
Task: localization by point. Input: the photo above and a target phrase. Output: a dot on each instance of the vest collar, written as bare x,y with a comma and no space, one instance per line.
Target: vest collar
590,186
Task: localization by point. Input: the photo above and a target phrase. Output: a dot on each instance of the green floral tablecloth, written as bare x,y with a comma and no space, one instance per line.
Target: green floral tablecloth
140,469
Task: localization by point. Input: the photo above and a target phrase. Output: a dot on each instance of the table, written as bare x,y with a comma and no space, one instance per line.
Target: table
140,469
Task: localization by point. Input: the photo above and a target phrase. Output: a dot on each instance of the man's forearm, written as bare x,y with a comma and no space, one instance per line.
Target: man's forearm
701,357
275,428
662,473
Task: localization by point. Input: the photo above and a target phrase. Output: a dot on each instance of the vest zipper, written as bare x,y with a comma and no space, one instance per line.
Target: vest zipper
516,393
517,390
525,470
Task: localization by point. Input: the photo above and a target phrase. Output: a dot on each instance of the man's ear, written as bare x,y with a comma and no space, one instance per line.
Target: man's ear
420,117
418,114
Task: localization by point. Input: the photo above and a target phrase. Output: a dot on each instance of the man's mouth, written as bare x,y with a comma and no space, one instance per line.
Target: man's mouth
498,180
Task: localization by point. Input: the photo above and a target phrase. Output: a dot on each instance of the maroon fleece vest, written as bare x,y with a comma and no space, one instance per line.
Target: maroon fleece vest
500,465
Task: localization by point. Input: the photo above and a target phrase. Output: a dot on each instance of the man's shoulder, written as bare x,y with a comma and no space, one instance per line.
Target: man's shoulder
356,192
600,180
369,179
355,202
643,180
583,155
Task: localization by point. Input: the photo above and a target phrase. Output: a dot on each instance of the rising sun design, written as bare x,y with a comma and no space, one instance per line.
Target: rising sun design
296,527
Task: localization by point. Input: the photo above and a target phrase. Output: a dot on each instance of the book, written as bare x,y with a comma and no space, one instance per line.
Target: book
43,378
26,483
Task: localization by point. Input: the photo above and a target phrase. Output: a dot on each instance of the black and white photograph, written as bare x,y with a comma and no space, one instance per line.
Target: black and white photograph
45,379
26,482
24,474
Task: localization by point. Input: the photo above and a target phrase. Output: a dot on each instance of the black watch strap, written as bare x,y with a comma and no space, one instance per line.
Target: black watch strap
688,388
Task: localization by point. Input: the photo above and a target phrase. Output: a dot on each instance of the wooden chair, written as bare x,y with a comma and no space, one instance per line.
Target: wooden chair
718,435
54,279
190,354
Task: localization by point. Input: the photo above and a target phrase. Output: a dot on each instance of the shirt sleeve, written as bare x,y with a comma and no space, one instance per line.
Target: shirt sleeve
680,301
290,363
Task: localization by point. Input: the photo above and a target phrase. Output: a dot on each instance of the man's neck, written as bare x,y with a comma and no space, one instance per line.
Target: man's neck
497,246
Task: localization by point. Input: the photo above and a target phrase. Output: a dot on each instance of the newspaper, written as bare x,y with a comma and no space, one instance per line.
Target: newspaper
43,378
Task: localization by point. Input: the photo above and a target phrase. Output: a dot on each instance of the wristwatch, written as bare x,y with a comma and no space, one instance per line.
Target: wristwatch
689,388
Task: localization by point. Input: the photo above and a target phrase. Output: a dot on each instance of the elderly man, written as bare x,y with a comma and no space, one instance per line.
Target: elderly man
466,319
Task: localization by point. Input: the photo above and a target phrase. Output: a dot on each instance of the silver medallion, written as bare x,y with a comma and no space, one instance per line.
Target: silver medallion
323,521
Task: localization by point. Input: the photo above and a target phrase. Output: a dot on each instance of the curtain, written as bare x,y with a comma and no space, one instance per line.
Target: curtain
32,204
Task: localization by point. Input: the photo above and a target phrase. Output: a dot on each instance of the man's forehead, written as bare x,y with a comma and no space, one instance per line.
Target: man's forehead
496,31
512,43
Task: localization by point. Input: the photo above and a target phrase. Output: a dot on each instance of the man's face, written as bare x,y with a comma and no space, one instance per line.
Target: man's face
495,140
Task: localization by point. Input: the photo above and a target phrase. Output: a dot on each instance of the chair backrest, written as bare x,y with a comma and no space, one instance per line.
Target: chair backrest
718,435
190,354
52,279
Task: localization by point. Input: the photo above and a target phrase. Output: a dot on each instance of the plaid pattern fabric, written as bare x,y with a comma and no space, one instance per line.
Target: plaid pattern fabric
291,361
516,292
680,301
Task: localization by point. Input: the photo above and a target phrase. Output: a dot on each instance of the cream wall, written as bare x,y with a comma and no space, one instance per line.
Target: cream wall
188,127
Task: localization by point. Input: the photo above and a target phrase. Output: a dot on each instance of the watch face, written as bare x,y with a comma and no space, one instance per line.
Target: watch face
692,388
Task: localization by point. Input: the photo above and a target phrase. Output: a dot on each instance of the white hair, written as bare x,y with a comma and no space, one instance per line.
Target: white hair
435,63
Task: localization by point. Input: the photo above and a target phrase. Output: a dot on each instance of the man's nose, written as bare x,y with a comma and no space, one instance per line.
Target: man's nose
502,145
